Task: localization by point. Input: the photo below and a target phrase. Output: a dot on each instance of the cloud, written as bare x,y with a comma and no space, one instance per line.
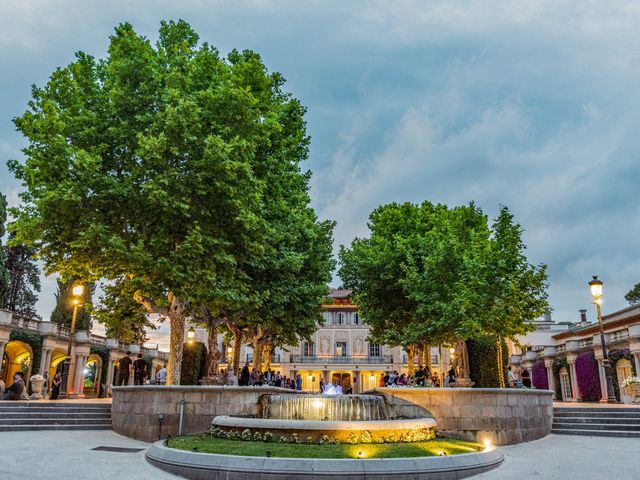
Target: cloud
530,104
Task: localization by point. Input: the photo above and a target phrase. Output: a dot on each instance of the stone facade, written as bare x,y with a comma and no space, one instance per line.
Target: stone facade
55,340
558,345
504,416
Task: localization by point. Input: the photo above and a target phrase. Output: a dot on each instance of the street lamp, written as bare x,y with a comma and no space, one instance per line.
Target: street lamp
595,286
190,334
77,292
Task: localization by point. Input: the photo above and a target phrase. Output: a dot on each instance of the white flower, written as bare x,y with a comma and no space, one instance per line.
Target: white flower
630,381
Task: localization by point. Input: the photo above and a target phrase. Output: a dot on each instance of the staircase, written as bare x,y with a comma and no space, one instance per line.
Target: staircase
22,416
597,421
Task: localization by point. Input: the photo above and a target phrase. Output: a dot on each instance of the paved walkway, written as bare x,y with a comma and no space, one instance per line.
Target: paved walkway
47,455
570,457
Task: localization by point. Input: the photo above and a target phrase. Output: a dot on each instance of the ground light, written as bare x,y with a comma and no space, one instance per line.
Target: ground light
487,444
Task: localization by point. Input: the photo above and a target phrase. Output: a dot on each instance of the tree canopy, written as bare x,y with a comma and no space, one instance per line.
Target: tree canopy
633,295
166,166
24,279
4,275
430,274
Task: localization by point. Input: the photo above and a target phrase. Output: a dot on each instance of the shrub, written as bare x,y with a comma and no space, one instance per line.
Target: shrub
483,367
267,437
588,377
246,435
257,437
539,377
194,363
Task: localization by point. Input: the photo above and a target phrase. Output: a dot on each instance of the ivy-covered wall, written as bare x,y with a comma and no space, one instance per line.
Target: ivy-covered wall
483,365
194,363
616,355
588,377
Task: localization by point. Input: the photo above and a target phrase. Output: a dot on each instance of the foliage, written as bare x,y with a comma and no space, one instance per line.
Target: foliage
168,164
124,318
559,364
24,279
63,311
615,356
194,363
34,340
103,352
483,369
208,444
588,377
633,295
539,377
630,381
4,274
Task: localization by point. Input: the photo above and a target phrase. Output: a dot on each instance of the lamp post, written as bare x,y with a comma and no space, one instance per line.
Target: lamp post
595,286
65,389
191,333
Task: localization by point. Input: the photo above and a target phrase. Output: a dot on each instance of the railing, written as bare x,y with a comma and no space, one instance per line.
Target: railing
63,331
561,348
24,323
587,342
97,339
342,359
417,361
275,358
619,335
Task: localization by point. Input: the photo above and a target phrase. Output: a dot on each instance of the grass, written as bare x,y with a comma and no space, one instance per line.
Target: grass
208,444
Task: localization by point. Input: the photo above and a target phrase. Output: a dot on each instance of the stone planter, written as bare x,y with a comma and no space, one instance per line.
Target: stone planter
5,317
634,392
37,384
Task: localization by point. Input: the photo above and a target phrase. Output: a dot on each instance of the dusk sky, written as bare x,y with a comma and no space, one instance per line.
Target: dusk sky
534,105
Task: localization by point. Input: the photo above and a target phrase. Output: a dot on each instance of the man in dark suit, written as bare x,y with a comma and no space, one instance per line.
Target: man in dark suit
17,388
124,370
139,370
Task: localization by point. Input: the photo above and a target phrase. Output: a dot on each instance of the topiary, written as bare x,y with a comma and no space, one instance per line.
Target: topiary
483,368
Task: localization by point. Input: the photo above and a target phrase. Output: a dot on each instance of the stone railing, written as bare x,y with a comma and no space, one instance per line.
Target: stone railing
619,335
342,360
24,323
275,358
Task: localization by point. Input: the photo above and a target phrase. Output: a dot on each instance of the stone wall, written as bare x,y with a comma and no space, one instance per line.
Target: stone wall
135,411
505,416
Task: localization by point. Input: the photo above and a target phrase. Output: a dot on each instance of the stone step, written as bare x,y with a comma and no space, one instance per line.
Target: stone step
616,420
30,427
37,415
597,433
5,409
595,426
55,421
596,410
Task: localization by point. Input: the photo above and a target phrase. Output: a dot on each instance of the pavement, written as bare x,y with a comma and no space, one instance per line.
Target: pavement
43,455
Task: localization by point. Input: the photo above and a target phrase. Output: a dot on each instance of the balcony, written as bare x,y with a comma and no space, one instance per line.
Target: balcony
340,359
274,358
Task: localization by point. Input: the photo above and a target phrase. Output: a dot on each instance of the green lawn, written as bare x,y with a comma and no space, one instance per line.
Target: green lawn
208,444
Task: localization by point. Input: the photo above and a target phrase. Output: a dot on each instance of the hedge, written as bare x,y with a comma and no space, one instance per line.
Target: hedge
588,377
194,363
483,362
539,377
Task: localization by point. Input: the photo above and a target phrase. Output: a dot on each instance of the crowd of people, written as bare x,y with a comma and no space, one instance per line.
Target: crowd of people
422,377
253,377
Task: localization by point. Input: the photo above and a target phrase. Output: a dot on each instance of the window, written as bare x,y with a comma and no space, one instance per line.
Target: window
341,349
327,318
374,349
356,319
340,318
307,349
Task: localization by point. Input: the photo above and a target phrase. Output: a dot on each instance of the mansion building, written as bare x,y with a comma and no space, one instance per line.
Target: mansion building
340,351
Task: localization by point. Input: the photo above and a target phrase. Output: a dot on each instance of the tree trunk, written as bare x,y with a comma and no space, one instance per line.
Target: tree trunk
176,323
212,344
500,363
411,351
268,348
238,338
258,349
427,356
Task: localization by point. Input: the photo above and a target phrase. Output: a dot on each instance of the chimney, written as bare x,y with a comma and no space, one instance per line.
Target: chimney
583,316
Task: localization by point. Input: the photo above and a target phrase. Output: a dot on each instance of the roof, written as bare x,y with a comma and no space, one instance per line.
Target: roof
618,319
339,293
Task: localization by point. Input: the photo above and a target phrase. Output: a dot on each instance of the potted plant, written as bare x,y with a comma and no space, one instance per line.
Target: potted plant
632,384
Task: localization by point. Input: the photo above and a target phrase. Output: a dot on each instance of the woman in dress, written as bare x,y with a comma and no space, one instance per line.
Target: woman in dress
55,386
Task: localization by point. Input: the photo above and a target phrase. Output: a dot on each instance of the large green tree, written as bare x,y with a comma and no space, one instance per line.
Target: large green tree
4,275
24,279
63,311
633,295
154,164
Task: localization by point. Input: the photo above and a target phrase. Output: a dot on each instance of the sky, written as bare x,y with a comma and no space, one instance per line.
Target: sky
534,105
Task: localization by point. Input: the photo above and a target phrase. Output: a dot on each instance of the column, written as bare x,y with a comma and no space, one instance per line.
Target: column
551,379
636,359
43,360
575,390
603,380
78,375
2,345
109,372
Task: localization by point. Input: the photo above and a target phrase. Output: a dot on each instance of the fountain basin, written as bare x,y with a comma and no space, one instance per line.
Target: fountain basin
370,431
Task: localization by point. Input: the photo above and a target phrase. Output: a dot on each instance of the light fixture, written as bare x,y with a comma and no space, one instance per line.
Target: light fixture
596,288
452,351
360,454
372,377
77,290
487,444
190,334
229,350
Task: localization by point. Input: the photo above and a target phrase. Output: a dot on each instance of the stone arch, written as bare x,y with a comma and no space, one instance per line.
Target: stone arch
18,355
93,375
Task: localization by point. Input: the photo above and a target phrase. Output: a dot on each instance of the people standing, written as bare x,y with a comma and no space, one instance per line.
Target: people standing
139,370
55,386
451,378
245,376
526,378
298,382
124,370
